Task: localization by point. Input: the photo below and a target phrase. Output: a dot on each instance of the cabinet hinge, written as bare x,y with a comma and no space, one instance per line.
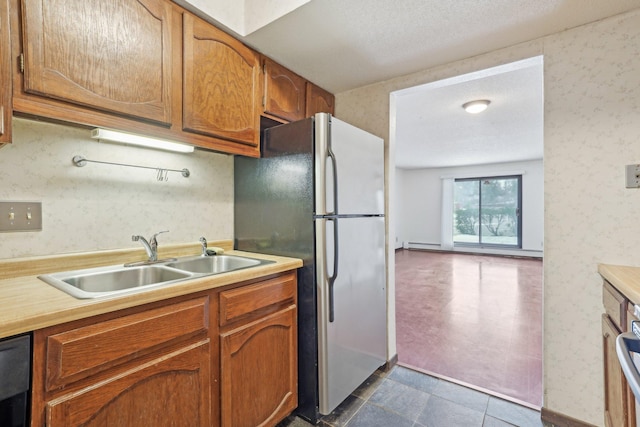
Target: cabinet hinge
22,63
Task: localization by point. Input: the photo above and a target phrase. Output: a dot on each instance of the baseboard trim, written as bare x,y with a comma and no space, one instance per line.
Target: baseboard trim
393,361
557,419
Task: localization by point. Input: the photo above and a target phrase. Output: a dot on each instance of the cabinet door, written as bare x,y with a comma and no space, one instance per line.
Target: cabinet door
631,398
259,371
171,391
319,100
5,74
285,92
112,55
221,84
615,385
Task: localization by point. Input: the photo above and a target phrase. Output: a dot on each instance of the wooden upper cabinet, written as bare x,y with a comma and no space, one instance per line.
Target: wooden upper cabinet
221,84
319,100
284,92
5,74
114,56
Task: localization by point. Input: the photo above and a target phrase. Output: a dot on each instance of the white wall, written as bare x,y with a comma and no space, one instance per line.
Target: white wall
100,207
242,17
398,229
591,130
420,200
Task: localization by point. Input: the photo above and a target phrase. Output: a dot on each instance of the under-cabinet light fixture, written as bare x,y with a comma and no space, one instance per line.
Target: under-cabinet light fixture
144,141
477,106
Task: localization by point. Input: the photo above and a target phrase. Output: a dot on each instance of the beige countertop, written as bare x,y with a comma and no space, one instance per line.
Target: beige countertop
624,278
27,303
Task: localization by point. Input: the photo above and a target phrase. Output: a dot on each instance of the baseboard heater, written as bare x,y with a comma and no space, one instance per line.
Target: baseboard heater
422,245
476,250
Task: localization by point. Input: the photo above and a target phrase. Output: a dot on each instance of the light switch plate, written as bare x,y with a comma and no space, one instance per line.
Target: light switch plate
20,216
633,176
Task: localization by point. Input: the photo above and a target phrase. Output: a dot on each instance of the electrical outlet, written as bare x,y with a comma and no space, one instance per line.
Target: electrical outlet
20,216
633,176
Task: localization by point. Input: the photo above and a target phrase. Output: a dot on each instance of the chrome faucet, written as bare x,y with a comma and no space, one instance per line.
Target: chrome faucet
203,242
150,246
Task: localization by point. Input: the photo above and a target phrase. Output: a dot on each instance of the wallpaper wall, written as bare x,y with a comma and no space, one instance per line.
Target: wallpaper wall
591,130
100,206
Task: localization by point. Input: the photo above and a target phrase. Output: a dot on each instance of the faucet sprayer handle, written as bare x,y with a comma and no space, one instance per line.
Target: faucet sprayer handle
203,242
153,238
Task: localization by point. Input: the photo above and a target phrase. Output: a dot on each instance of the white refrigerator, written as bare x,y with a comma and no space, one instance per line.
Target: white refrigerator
318,194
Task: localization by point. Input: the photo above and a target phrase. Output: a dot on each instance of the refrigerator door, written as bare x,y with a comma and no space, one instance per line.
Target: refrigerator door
353,164
351,280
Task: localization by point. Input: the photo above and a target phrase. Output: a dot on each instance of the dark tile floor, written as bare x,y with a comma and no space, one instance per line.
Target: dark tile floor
474,319
404,397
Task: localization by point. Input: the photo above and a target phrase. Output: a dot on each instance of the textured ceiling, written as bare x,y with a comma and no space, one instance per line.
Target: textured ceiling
433,130
345,44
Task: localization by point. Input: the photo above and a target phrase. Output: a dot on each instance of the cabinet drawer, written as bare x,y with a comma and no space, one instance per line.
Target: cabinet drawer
631,317
615,305
173,389
244,302
85,351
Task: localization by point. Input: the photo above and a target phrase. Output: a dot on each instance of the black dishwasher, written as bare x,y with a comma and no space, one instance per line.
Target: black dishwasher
15,380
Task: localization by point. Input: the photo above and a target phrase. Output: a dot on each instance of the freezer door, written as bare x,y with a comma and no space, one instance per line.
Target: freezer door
351,280
355,160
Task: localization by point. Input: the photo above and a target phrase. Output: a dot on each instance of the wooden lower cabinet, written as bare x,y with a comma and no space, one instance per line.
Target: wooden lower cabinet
619,401
259,371
227,356
258,352
153,365
616,408
172,391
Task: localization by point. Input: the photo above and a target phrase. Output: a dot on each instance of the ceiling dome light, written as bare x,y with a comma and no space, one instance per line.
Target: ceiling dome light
475,107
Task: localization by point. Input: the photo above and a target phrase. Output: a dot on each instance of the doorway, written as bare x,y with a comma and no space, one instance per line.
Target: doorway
470,277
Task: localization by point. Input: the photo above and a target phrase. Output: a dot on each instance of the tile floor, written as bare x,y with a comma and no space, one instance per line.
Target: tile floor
404,397
475,319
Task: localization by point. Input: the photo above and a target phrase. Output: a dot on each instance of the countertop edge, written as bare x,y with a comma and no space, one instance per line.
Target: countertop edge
29,304
624,278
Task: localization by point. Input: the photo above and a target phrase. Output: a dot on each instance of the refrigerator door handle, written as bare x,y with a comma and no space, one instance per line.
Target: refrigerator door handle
331,280
334,169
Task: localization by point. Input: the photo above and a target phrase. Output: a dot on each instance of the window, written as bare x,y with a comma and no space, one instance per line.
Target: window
487,211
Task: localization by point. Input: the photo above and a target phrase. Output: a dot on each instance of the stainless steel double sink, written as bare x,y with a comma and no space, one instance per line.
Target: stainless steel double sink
119,279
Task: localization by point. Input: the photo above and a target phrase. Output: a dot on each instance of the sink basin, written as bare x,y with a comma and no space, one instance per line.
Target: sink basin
103,281
215,264
118,280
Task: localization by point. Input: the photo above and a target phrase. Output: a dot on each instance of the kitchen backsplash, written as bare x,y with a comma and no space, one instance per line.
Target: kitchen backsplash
99,206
